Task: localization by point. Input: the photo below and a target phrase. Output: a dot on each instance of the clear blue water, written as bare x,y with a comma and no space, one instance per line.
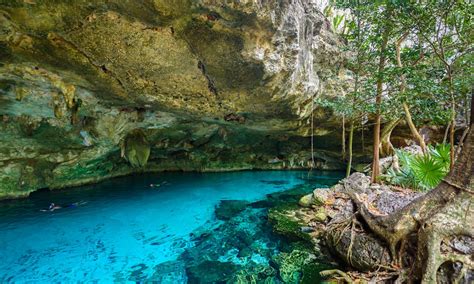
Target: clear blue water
125,229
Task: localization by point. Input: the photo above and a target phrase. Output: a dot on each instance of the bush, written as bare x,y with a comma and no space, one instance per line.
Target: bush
421,172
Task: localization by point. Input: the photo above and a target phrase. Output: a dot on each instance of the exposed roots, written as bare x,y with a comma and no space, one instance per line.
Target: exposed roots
453,221
441,213
349,250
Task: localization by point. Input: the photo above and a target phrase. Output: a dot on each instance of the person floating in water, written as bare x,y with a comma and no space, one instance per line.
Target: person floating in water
54,206
158,184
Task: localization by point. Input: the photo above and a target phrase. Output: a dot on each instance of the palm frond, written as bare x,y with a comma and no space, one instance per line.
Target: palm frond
428,171
441,153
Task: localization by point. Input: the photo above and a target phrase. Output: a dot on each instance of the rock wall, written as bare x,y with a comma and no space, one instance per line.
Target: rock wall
208,85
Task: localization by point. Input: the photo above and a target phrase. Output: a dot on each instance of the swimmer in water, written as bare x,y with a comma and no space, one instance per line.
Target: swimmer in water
52,207
158,184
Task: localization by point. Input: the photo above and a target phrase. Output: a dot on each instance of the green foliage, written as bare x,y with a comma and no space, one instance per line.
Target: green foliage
421,172
441,154
437,33
336,21
427,171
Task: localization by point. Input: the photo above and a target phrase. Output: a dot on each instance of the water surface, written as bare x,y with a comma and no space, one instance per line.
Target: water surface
125,230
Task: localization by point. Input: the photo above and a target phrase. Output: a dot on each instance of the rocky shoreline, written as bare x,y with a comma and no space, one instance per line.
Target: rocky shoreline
327,219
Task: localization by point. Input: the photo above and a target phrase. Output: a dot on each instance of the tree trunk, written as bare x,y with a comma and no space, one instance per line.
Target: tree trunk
408,118
453,116
413,129
461,141
351,137
446,131
343,137
378,98
386,147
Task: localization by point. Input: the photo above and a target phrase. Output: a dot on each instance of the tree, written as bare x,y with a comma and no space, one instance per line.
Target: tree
406,108
432,217
433,72
446,27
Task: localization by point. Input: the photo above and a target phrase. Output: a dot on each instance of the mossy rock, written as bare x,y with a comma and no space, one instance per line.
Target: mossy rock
256,274
306,200
285,225
320,214
291,265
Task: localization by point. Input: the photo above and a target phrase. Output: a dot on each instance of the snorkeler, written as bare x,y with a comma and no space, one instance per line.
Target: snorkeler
159,184
54,206
51,207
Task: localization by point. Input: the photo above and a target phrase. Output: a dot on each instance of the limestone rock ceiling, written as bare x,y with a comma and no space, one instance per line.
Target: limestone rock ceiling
203,82
196,56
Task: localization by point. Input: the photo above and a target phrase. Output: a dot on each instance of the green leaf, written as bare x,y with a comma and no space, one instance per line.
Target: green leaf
427,171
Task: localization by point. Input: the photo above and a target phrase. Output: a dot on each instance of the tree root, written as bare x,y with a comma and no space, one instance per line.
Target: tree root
429,239
443,212
451,221
349,250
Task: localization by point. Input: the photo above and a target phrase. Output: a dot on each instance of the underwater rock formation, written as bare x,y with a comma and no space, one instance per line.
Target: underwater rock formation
243,248
212,86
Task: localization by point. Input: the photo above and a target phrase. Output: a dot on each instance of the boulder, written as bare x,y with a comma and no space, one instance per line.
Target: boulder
321,195
357,182
367,251
306,200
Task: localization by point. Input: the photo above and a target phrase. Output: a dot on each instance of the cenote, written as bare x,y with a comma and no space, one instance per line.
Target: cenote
193,228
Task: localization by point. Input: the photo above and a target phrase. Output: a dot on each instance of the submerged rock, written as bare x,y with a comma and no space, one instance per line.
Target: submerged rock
229,208
169,272
298,266
256,274
245,248
211,272
286,224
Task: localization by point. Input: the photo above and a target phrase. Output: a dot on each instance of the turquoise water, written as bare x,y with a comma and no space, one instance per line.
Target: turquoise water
124,230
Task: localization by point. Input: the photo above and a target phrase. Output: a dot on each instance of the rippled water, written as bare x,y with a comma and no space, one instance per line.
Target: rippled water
125,230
